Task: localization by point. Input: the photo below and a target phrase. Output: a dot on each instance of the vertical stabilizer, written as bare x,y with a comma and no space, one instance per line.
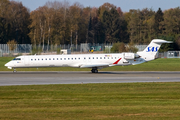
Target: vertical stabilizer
151,50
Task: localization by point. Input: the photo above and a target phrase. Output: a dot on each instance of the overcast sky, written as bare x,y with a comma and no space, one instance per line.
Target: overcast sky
125,5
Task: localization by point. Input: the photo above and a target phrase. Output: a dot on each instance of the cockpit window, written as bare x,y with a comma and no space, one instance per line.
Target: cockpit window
17,59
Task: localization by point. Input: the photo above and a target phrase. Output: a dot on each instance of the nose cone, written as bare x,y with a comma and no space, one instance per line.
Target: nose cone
8,65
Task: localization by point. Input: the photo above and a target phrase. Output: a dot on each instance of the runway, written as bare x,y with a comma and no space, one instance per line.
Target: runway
44,78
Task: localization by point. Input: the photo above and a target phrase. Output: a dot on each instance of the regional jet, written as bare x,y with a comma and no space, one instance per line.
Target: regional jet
93,61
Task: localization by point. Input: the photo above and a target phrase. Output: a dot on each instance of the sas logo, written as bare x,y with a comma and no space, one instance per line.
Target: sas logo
152,49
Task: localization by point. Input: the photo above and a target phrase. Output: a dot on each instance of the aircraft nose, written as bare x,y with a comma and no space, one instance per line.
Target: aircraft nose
8,65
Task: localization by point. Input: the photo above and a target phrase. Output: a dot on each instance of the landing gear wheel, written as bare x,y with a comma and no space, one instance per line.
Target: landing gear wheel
14,70
94,71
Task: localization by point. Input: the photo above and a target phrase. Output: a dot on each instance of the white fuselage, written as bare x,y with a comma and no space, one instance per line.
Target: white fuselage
94,61
76,60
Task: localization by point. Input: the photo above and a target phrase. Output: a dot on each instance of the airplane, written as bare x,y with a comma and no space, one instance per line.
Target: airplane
93,61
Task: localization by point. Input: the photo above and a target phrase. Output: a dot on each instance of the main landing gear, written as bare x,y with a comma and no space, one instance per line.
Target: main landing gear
94,70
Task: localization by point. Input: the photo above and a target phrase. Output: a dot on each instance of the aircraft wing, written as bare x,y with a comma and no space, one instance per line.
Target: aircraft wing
94,65
98,65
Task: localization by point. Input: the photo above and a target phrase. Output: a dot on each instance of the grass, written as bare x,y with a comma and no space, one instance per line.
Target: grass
137,101
155,65
125,101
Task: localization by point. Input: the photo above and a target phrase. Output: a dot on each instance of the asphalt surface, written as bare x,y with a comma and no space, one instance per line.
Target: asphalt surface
43,78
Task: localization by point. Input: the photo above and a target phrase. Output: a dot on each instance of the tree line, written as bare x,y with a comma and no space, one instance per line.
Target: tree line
62,23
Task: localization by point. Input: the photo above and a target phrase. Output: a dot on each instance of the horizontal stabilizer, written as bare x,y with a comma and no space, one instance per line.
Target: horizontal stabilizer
159,41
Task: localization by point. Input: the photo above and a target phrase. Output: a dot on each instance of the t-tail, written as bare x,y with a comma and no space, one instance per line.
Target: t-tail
150,51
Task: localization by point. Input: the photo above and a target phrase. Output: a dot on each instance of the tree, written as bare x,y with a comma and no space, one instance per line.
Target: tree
140,25
14,22
134,26
4,30
19,18
3,7
84,24
12,44
146,31
172,22
111,22
105,7
131,48
177,44
74,17
158,20
118,47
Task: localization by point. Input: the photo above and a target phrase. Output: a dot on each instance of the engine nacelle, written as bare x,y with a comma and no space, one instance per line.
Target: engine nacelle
130,56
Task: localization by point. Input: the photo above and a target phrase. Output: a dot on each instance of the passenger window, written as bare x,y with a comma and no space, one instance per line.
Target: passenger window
49,58
57,58
42,59
100,57
31,59
104,57
72,58
89,58
64,58
46,58
84,58
97,58
68,58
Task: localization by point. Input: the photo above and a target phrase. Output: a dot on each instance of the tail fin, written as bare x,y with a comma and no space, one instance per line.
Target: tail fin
150,51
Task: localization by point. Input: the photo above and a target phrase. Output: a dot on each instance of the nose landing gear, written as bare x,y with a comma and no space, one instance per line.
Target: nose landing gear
14,70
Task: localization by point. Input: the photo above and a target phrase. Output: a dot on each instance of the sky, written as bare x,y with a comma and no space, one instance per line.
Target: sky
125,5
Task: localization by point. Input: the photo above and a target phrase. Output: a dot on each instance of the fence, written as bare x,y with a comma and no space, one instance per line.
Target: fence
19,48
28,48
82,48
173,54
1,53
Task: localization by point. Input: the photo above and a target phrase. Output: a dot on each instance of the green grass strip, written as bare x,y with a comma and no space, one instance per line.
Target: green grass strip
125,101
